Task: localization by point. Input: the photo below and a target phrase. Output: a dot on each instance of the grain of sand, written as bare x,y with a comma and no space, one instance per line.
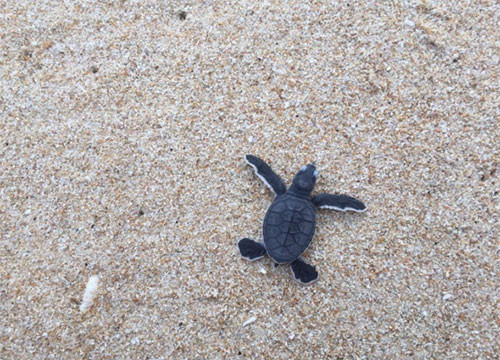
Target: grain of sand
123,126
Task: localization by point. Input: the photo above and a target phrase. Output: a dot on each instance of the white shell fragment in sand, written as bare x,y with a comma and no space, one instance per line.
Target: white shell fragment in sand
90,293
250,320
447,297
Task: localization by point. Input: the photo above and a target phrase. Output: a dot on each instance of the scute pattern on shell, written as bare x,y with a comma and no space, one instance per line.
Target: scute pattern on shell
289,227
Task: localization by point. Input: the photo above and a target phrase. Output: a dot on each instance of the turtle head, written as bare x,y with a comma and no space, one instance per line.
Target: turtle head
304,181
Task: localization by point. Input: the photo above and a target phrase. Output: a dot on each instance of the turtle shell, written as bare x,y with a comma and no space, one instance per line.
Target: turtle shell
288,227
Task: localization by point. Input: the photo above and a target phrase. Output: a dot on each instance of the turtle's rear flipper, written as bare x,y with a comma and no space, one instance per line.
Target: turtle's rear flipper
251,250
304,272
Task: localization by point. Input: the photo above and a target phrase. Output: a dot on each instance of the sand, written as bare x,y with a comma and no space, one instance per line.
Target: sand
123,126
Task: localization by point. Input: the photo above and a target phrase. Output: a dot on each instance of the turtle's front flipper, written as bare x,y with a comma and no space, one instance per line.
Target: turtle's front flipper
251,250
266,174
338,202
303,272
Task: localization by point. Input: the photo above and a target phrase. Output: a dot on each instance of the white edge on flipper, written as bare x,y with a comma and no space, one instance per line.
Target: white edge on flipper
344,209
248,259
303,283
257,173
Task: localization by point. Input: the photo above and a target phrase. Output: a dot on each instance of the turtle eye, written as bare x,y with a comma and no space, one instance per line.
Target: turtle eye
303,168
315,173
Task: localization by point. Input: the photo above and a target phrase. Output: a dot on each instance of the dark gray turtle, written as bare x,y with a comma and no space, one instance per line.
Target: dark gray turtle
290,221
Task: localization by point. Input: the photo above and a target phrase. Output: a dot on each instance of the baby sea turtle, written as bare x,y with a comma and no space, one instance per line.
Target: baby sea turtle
290,221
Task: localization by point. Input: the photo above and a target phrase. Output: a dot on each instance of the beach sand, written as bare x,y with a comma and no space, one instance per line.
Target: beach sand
123,127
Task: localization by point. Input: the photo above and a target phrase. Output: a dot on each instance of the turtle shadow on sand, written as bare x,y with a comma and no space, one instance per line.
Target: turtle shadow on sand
290,221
